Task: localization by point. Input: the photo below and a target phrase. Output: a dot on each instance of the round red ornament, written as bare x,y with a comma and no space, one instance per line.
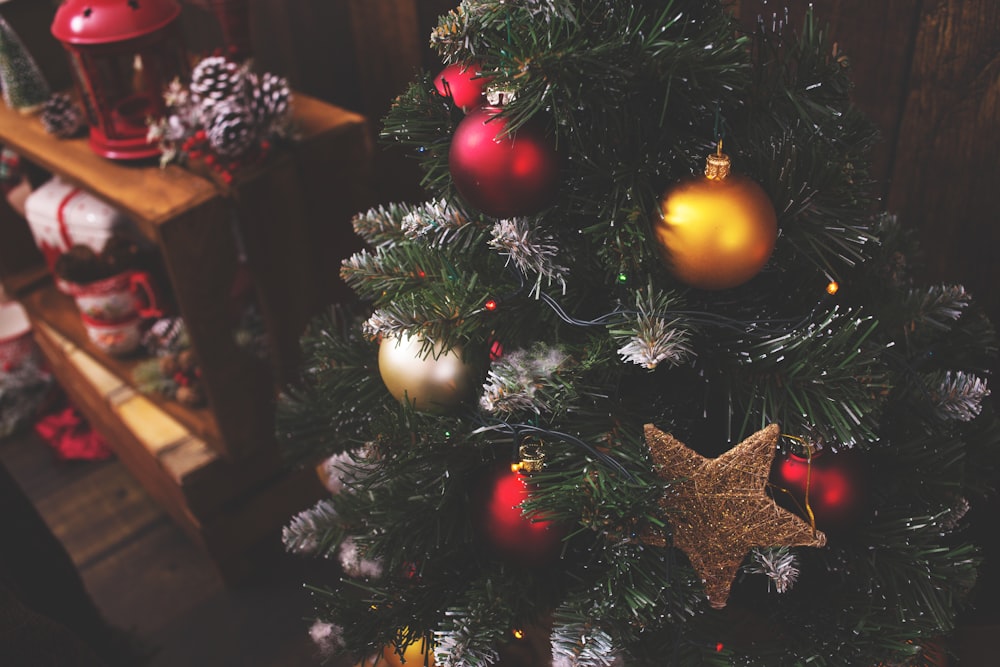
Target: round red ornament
462,83
502,175
836,484
515,537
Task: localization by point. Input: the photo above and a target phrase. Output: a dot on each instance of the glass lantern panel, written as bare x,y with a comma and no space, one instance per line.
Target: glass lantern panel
83,88
127,101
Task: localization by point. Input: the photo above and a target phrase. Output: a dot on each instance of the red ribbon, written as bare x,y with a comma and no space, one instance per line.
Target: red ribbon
71,438
61,218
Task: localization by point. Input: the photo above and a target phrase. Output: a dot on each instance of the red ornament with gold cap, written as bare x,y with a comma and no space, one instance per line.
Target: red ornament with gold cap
502,173
463,85
717,231
529,541
829,487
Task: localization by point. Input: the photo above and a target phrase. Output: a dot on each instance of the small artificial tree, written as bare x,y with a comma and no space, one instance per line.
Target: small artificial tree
743,433
24,86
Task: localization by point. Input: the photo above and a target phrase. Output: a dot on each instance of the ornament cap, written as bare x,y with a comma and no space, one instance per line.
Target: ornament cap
532,457
717,165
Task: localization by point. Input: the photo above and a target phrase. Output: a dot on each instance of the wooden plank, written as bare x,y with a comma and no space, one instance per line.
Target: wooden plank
385,64
130,452
272,220
117,506
944,185
249,530
312,46
946,170
335,171
313,117
150,580
53,308
203,260
148,194
878,39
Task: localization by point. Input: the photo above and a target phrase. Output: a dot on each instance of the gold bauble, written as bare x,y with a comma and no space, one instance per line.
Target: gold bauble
717,231
413,656
437,383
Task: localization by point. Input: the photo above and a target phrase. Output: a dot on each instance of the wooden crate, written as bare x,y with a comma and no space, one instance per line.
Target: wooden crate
284,224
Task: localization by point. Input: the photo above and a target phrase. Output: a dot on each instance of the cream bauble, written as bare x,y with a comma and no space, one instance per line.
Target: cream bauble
438,383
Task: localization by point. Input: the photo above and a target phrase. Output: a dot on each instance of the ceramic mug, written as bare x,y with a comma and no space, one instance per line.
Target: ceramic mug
115,338
118,298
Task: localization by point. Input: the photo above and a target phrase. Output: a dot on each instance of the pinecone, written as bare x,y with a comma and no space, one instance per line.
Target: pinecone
269,96
232,129
215,80
60,116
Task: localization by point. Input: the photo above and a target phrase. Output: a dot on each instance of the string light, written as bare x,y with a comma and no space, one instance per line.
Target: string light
490,305
622,278
832,287
518,633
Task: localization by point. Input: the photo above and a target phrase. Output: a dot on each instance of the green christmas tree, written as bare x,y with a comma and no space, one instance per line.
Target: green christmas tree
24,86
651,416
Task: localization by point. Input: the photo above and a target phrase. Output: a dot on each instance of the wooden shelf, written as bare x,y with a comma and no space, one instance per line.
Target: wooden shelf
150,196
282,228
57,310
231,510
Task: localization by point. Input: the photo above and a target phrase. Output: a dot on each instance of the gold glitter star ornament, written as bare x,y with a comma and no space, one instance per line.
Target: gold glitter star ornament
719,508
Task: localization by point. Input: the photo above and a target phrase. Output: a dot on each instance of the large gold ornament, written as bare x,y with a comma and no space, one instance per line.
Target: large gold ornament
437,383
719,509
718,231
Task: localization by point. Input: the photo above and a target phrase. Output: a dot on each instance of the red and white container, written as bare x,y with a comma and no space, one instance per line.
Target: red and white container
61,215
17,347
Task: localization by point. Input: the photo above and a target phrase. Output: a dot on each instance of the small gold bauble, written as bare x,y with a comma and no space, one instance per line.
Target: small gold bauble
413,656
437,383
717,231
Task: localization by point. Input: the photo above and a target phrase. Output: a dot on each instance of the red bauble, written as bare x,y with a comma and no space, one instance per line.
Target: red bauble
462,83
502,175
512,535
837,487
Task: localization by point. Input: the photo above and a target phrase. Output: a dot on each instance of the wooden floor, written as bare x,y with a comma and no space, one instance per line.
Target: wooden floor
147,578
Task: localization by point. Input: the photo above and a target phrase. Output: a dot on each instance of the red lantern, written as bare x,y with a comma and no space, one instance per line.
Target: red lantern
513,536
503,175
123,54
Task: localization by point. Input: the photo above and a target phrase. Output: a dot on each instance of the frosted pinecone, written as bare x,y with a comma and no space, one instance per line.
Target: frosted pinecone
270,97
61,116
215,80
232,130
